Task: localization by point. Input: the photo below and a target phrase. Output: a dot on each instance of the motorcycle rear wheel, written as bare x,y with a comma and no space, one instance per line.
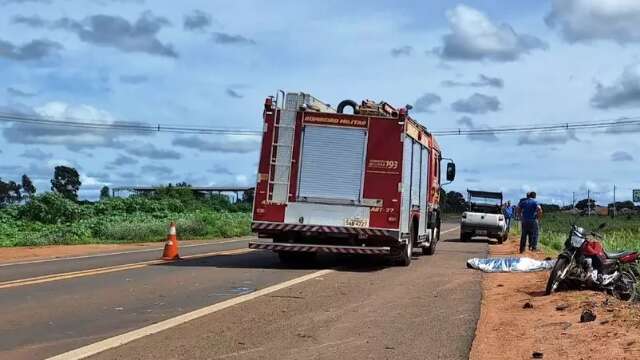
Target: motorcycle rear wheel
625,287
555,276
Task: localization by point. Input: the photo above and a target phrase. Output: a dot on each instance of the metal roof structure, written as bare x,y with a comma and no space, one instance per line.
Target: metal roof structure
485,194
194,188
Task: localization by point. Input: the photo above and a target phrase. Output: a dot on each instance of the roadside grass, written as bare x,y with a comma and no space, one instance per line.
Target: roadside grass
49,220
621,233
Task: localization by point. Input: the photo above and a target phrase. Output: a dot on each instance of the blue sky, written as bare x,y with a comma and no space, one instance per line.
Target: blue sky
474,64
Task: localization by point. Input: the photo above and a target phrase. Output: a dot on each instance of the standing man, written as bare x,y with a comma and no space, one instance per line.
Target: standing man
530,212
508,215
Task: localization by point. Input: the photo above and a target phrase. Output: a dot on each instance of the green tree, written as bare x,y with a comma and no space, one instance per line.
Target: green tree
455,202
66,182
584,204
623,205
247,196
27,186
4,193
10,192
549,208
15,194
104,193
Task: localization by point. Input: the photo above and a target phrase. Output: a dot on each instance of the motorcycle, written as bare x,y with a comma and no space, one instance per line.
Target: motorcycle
584,261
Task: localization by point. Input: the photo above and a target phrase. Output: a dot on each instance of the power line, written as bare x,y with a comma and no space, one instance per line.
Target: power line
186,129
541,128
122,126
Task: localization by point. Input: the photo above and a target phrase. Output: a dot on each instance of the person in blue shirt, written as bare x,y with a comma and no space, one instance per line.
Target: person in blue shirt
529,212
508,214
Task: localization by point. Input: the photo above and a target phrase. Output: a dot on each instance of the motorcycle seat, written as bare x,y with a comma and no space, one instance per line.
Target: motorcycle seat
612,255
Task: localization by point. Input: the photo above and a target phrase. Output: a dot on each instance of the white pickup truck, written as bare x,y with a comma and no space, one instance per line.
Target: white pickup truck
484,217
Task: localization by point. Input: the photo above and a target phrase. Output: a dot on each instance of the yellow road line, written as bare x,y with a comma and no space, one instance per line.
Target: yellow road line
109,269
125,338
37,261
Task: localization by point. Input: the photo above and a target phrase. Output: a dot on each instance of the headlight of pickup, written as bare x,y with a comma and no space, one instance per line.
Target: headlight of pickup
464,215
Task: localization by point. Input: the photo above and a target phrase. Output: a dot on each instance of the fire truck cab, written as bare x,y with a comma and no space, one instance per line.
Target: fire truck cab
365,182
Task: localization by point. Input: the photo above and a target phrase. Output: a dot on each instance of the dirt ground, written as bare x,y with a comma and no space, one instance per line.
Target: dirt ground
34,253
508,330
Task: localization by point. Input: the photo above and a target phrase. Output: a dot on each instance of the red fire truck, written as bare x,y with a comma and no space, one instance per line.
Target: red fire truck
364,182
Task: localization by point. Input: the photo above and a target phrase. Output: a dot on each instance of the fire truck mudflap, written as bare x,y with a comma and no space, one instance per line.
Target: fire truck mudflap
316,248
297,231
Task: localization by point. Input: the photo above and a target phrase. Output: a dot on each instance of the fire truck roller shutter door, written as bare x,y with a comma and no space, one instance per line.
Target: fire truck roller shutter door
415,174
332,162
406,185
424,191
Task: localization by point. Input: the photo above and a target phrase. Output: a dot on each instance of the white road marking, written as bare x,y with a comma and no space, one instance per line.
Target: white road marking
116,253
125,338
448,231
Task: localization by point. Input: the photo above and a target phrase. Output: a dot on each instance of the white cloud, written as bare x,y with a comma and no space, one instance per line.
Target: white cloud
621,156
241,144
623,93
477,104
425,102
58,134
475,37
543,138
242,179
587,20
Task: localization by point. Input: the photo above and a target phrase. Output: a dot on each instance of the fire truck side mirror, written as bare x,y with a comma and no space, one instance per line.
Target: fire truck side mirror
451,171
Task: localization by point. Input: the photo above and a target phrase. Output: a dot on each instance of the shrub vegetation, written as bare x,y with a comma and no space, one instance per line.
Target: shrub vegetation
52,218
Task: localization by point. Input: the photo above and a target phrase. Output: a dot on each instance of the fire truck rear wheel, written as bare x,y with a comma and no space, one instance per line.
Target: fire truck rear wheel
405,255
431,249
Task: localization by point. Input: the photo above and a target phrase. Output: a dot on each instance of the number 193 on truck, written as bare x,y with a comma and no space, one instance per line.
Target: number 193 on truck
364,181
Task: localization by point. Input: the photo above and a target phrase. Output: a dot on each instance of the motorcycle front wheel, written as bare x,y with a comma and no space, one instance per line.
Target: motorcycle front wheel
557,274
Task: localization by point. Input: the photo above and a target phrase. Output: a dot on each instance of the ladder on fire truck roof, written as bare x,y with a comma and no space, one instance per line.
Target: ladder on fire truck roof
282,143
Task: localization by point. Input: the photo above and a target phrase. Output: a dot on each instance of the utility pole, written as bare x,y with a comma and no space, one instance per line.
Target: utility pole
615,208
573,201
588,202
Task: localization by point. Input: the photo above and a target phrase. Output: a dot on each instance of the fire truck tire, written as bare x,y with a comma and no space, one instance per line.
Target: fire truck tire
345,103
431,249
405,256
465,237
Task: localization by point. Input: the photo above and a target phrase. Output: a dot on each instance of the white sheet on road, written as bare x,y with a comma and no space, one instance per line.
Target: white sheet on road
509,264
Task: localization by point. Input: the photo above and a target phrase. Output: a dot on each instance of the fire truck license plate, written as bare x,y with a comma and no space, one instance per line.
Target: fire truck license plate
356,222
481,232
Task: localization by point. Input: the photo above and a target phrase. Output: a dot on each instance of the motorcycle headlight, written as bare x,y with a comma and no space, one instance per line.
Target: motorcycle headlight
576,240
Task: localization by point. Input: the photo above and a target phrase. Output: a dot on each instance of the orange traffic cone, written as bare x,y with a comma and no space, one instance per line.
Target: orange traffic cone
171,246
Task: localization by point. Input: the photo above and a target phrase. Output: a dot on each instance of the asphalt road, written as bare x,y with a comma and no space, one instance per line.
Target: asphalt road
360,310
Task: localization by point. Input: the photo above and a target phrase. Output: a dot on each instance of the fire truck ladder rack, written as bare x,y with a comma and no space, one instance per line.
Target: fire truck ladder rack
282,148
